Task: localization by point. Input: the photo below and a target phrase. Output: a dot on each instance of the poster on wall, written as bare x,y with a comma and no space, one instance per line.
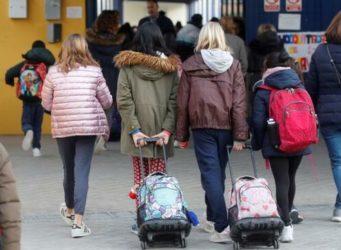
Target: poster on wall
293,5
301,45
272,5
289,21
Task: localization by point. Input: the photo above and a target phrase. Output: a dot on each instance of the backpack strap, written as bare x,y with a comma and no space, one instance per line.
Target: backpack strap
337,73
41,70
267,87
272,92
24,67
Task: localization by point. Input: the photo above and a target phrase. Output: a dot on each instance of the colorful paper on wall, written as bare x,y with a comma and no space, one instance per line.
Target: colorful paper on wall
301,45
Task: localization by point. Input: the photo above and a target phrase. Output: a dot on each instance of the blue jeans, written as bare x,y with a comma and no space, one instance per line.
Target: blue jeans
32,119
332,137
210,146
76,153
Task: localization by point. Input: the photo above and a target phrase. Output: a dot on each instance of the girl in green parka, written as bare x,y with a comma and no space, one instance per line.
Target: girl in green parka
146,99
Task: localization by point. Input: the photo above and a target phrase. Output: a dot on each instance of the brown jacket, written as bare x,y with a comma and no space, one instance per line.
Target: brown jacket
10,219
207,99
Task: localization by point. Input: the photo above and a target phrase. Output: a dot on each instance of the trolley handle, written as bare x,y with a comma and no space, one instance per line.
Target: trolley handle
151,140
249,147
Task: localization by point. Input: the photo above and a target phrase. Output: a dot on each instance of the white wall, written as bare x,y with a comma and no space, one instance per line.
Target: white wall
133,11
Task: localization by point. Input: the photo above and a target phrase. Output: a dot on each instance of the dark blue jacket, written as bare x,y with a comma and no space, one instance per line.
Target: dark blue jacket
281,79
104,46
323,86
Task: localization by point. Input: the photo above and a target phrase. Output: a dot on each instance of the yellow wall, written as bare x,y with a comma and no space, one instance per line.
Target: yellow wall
16,38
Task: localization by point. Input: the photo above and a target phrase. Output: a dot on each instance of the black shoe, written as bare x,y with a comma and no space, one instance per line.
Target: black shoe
295,217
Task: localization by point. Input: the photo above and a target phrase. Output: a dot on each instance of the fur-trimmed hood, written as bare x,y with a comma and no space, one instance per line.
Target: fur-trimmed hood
132,58
104,38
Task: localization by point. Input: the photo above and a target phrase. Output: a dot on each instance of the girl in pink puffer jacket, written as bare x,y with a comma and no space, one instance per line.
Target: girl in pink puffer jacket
76,93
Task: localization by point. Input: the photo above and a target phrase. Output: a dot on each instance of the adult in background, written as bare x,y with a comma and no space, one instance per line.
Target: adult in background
236,44
165,24
104,43
266,42
212,102
324,86
187,37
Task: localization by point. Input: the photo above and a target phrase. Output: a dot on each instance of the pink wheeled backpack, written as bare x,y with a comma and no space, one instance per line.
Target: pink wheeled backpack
252,213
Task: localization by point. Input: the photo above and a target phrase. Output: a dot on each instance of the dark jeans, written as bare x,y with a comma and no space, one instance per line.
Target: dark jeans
76,153
32,119
210,150
332,137
284,171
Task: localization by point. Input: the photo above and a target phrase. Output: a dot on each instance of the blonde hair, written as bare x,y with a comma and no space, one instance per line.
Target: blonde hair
74,53
265,27
211,36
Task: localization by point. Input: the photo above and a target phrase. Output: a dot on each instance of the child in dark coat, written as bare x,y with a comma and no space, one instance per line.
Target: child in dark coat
278,74
32,115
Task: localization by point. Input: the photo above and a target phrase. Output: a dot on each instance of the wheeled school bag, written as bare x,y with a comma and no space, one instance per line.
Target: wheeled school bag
161,214
253,215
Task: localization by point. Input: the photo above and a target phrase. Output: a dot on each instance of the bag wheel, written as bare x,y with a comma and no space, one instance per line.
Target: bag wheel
236,245
276,244
143,244
150,237
183,243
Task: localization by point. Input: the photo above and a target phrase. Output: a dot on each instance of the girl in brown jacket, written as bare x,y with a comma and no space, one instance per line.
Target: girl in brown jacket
10,219
212,101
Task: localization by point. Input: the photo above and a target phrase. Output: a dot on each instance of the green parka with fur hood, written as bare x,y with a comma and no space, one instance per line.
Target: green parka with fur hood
146,98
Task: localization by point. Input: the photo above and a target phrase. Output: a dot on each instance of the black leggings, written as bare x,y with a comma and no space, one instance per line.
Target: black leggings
284,171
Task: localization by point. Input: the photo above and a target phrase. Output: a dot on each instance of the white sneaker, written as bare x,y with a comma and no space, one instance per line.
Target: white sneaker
336,215
207,226
222,237
80,230
68,218
287,234
27,142
36,152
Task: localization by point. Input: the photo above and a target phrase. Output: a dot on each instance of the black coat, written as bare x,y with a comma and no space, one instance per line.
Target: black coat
281,79
323,86
104,47
34,55
260,47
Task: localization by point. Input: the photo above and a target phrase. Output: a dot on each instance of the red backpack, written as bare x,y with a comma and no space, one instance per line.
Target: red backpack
31,81
294,112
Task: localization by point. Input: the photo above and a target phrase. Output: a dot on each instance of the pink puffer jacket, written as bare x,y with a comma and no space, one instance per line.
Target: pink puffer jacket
76,100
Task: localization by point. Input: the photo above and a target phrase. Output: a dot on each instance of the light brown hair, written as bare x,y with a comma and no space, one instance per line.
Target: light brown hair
74,53
333,32
265,27
228,24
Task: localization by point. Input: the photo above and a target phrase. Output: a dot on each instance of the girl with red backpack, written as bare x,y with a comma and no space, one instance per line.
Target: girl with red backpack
277,76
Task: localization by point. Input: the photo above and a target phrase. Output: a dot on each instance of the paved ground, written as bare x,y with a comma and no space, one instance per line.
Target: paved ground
110,211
